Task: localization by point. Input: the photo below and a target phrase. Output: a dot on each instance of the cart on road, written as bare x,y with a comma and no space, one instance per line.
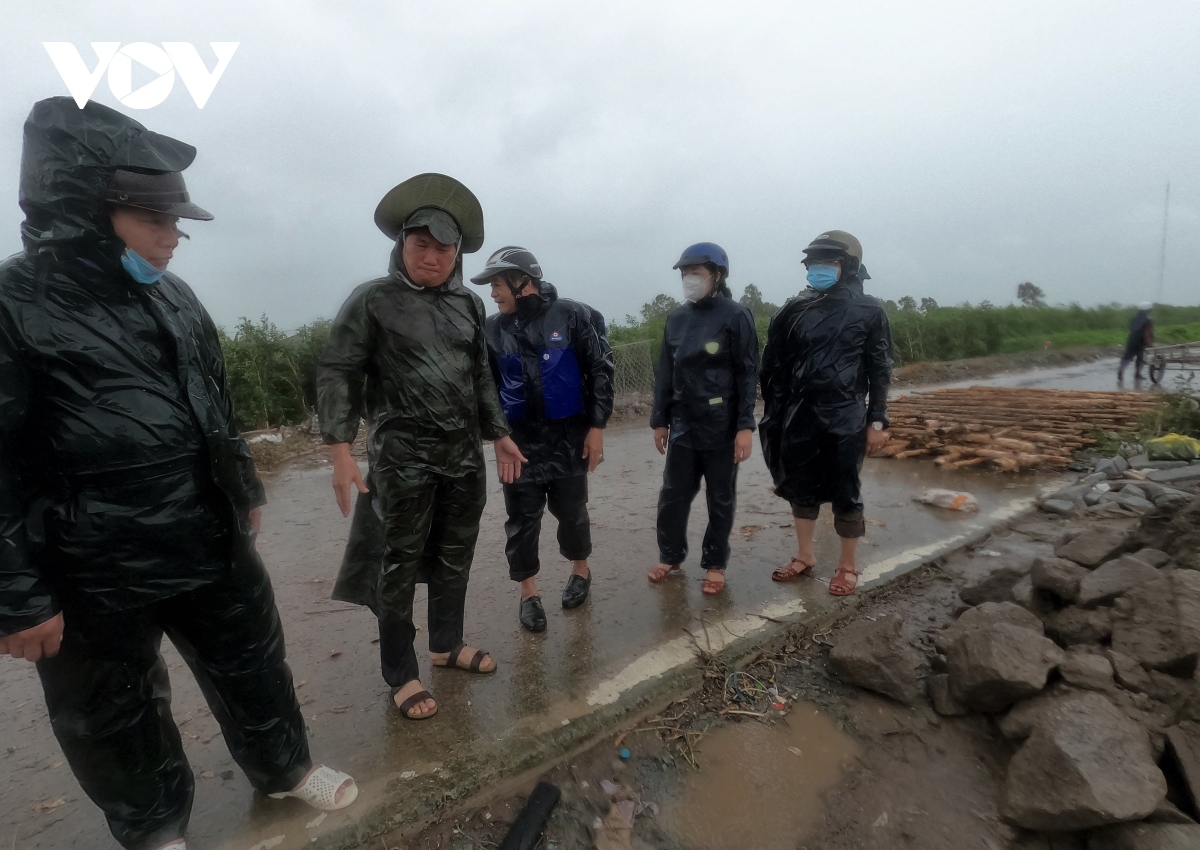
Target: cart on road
1183,357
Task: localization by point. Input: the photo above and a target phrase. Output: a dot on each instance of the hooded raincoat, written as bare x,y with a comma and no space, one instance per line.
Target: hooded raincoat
413,361
125,491
825,374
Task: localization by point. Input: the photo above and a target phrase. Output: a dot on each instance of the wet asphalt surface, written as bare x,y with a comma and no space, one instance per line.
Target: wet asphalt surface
541,678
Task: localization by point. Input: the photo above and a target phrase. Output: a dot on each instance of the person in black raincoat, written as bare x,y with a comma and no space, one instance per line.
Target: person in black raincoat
408,352
1141,337
129,502
703,411
825,374
553,366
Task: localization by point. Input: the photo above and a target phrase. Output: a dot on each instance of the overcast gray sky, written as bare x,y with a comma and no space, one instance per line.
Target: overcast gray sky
970,146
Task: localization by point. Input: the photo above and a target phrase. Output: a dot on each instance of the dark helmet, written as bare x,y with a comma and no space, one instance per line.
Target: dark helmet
703,253
837,245
510,258
157,191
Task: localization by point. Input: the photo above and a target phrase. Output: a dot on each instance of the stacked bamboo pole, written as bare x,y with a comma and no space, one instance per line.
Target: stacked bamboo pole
1007,429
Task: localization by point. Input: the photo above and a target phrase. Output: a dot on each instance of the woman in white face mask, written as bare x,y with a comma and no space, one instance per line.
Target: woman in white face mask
703,413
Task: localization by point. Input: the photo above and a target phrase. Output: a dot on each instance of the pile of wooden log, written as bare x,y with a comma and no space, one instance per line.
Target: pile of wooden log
1007,429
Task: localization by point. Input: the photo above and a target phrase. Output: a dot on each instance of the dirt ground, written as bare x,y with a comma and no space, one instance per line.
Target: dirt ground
776,754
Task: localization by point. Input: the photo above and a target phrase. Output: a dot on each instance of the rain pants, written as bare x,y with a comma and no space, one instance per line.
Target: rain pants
554,369
125,491
704,392
1141,336
413,361
825,375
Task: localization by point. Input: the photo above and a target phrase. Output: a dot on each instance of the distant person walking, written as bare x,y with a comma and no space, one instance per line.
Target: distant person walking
703,412
1141,337
825,376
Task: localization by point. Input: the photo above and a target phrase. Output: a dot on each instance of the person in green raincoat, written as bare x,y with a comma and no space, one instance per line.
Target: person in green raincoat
407,351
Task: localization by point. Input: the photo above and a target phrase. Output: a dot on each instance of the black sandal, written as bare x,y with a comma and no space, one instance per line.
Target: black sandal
476,660
419,696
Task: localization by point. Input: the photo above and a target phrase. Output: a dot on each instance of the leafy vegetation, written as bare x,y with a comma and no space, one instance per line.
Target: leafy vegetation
272,375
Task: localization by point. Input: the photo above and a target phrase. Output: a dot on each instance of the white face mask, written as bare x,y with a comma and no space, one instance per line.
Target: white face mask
695,287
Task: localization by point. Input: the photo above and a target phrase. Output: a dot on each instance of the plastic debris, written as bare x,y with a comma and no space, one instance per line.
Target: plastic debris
624,754
953,500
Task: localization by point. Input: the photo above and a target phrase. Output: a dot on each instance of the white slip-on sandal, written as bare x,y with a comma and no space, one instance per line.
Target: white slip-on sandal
177,844
320,790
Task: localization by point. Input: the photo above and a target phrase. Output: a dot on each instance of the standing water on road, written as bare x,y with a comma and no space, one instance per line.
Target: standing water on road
760,785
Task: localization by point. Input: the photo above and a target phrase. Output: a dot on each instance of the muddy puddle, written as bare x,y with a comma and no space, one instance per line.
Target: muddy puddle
760,786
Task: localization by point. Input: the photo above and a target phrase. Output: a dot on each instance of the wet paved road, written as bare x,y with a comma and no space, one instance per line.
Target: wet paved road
1098,376
542,679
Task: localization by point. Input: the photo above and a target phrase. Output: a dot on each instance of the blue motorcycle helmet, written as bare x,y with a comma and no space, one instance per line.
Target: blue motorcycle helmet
704,254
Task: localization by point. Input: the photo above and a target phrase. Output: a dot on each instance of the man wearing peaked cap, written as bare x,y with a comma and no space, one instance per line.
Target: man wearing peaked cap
407,352
129,503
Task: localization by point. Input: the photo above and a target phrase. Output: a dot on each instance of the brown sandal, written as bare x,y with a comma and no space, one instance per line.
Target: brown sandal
712,588
476,660
658,574
850,584
405,707
788,571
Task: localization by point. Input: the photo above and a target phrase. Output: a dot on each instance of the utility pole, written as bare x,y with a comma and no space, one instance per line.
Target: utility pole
1162,259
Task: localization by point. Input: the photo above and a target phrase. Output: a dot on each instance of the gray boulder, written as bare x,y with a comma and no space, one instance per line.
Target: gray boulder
943,702
992,668
1160,626
1020,720
875,656
1081,769
1133,490
1060,507
1139,504
1085,670
1129,672
1146,836
1074,626
1113,579
1058,577
992,579
1022,593
1094,547
983,616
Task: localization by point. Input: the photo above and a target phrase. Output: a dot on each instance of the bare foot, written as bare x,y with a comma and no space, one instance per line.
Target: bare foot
423,708
714,581
661,571
844,581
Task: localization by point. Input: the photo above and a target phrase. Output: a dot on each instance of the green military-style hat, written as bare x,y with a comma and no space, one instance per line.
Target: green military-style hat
427,192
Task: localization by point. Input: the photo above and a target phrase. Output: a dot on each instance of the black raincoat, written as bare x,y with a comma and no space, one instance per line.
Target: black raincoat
705,383
553,367
120,464
125,492
825,372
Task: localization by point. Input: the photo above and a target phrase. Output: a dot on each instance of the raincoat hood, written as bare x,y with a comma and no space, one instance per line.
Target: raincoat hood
67,160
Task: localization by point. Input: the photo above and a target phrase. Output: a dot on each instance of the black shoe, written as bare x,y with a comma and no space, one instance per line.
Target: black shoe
533,616
576,591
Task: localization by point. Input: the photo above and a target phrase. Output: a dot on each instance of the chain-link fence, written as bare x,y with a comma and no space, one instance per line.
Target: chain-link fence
634,376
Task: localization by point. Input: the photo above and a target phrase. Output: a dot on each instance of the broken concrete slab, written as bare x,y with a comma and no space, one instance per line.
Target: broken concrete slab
1081,769
1139,504
1160,627
1060,507
1112,467
1182,475
1093,548
1113,579
1058,577
1074,626
993,667
1146,836
983,616
1086,670
943,702
874,655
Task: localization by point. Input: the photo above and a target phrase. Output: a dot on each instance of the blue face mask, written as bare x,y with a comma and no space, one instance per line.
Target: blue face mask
140,269
823,277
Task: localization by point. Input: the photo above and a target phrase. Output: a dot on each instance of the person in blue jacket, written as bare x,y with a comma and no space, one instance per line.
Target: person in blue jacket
705,388
554,369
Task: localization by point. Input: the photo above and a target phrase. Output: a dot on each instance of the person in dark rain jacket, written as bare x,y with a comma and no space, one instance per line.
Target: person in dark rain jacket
825,375
554,368
408,352
1141,337
129,503
703,411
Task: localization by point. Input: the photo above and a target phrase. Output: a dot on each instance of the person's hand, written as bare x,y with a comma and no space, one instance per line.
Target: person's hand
593,448
508,459
42,641
255,519
876,440
743,444
660,439
346,476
